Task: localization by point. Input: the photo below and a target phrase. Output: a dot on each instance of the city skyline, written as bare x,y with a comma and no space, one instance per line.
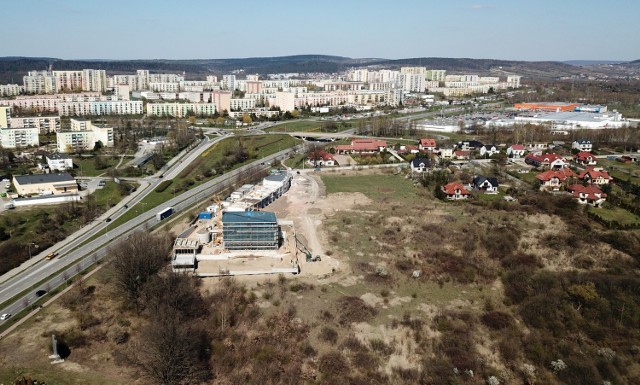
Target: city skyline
499,29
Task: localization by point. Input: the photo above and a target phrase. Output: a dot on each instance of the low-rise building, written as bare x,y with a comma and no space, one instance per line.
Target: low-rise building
362,146
516,151
587,195
45,184
455,191
554,179
595,176
427,144
487,185
585,158
548,161
582,145
59,162
420,164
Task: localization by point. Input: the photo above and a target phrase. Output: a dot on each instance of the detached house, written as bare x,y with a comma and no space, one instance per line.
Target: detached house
488,150
362,146
582,145
486,185
461,155
427,145
455,191
585,158
470,145
419,164
588,195
407,149
445,152
549,161
553,179
321,158
59,161
593,176
516,151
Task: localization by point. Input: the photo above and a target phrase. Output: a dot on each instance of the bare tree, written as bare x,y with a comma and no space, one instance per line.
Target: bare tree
135,260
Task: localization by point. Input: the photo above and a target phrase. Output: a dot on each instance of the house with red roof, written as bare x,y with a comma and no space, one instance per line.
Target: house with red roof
455,191
585,158
427,145
362,146
595,176
553,179
461,154
516,151
547,161
588,195
321,158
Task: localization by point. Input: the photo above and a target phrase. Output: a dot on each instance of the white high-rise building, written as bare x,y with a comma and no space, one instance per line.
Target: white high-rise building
94,80
39,82
513,81
18,137
229,82
10,89
69,81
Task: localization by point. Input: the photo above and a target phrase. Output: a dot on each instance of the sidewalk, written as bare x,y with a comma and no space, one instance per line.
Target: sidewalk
72,237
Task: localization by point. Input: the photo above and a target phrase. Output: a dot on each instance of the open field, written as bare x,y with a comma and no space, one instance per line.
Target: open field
617,214
88,166
409,288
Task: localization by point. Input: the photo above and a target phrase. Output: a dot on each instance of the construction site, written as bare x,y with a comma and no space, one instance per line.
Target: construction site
239,236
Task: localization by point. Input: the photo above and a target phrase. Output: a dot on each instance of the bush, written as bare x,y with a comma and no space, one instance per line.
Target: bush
333,364
354,309
497,320
328,334
163,186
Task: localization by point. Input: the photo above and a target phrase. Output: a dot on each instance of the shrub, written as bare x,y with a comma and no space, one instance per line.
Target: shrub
163,186
333,364
497,320
328,334
354,309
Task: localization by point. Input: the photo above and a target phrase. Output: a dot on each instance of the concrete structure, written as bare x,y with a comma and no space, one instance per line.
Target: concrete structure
569,120
94,80
44,124
110,107
68,80
10,89
59,162
180,110
5,116
556,107
39,82
250,230
45,184
84,135
19,137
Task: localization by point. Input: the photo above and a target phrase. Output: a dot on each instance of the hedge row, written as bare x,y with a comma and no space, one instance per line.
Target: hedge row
163,186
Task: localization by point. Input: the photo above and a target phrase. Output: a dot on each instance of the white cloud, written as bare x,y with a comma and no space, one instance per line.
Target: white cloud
480,6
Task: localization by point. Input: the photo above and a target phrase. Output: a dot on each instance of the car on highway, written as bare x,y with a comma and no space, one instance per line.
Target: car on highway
50,256
107,220
41,292
5,316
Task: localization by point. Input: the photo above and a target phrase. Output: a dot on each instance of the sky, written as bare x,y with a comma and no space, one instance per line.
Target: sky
392,29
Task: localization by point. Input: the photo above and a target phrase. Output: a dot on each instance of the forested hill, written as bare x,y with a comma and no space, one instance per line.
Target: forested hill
13,68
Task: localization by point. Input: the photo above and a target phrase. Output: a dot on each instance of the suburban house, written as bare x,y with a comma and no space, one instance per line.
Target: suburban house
585,158
537,146
553,179
595,176
455,191
488,150
407,149
45,184
446,152
362,146
461,155
582,145
58,161
550,161
516,151
427,145
470,145
419,164
486,185
589,195
321,158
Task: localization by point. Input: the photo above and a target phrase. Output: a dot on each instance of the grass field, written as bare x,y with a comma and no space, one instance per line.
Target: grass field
87,166
305,126
374,186
614,213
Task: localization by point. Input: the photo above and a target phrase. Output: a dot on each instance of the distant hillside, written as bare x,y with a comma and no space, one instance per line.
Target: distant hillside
591,62
13,68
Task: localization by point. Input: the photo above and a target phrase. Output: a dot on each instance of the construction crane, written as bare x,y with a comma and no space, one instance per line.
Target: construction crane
300,246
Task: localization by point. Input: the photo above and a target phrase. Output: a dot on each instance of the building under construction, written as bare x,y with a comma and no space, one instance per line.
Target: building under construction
250,230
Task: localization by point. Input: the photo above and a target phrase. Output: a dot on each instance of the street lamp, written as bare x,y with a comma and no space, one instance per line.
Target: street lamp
29,244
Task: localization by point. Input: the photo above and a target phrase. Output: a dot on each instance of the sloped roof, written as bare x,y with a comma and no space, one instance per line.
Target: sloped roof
450,189
584,155
560,174
426,142
517,147
415,162
594,174
591,191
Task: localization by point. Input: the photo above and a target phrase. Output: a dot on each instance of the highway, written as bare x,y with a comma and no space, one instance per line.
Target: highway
71,262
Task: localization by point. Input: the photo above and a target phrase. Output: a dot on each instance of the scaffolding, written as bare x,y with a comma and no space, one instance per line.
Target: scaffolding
250,230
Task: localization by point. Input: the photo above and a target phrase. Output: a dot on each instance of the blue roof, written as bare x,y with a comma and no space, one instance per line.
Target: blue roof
249,217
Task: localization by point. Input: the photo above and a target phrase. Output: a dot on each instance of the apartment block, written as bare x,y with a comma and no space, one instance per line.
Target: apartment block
180,110
68,80
84,135
39,82
102,107
94,80
10,89
5,116
44,124
18,137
